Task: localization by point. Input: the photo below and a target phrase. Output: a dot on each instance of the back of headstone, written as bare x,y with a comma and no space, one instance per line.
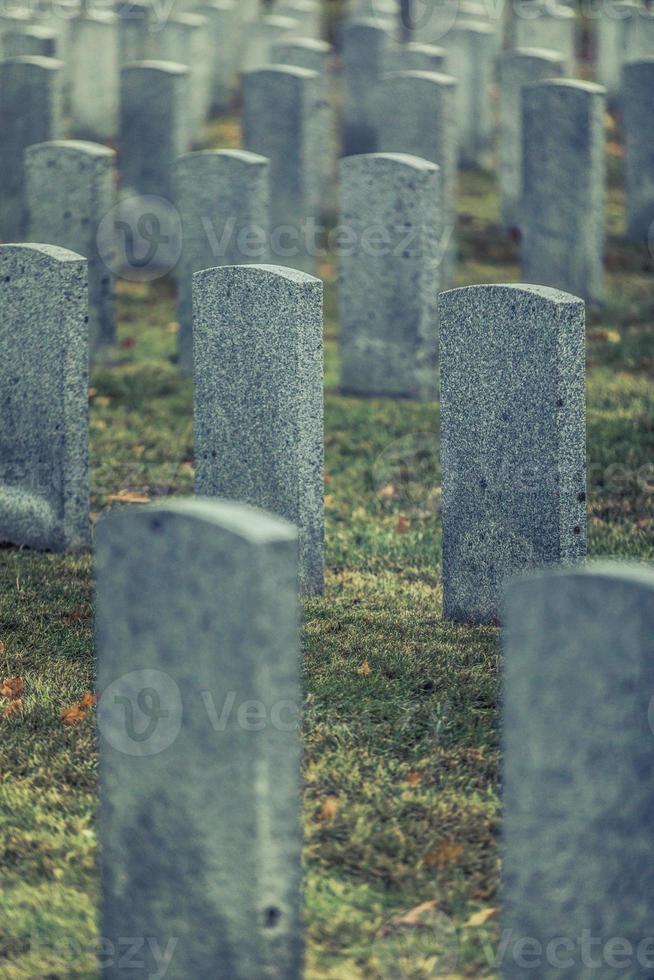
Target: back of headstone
199,747
578,760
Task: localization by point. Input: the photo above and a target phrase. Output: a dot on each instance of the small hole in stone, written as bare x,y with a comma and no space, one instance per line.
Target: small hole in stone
577,530
271,917
581,497
559,403
483,483
156,524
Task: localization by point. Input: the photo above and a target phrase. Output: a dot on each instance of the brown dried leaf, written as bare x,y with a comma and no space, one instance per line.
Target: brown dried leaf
364,669
479,918
329,808
12,688
402,525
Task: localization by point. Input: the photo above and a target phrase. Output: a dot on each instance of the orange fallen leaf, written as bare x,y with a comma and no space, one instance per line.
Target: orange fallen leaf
71,716
402,525
414,779
479,918
12,688
129,497
13,708
410,919
364,669
329,808
2,648
87,700
446,853
329,500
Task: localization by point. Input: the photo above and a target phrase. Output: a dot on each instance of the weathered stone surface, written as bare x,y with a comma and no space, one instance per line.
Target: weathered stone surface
70,187
513,445
44,489
185,40
154,125
33,41
94,73
470,46
564,166
637,113
515,70
391,216
365,58
224,39
199,817
315,56
417,57
30,112
223,197
257,335
549,25
420,118
262,34
578,753
281,121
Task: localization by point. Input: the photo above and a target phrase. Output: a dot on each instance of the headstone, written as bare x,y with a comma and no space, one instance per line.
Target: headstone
94,72
154,125
30,112
18,19
637,113
135,26
257,336
224,38
470,47
307,13
563,169
513,449
389,277
315,56
417,57
639,37
200,759
223,197
549,25
185,40
31,41
44,486
578,753
612,27
365,58
70,188
515,70
281,121
420,118
262,34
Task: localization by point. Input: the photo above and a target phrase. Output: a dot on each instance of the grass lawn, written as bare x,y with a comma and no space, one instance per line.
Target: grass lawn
401,721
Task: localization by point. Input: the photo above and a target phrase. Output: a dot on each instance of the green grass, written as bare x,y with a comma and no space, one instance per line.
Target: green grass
401,714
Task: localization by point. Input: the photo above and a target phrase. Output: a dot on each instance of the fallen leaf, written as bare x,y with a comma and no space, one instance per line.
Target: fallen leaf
129,497
410,919
329,500
414,779
402,525
2,648
387,492
99,424
13,708
12,688
329,808
479,918
364,669
72,716
76,615
87,700
92,393
446,853
127,343
102,400
327,477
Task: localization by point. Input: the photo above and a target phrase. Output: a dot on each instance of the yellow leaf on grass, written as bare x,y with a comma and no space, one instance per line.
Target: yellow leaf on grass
329,808
129,497
364,669
329,500
13,708
2,648
410,919
387,492
479,918
102,400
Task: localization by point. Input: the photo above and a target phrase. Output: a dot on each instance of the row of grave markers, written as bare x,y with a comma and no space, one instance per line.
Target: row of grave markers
62,192
199,821
512,388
